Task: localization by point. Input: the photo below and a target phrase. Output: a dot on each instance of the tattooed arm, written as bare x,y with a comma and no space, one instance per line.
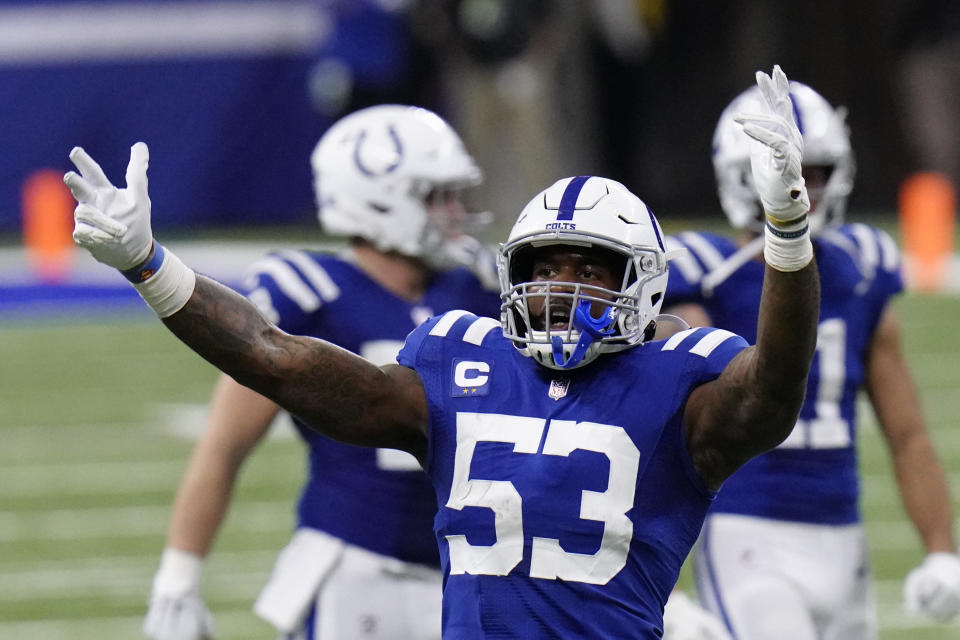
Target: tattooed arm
754,404
338,393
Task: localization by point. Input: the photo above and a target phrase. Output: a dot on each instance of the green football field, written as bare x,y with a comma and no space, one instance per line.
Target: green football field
96,417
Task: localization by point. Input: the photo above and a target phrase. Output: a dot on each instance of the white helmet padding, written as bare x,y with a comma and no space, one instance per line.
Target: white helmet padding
578,212
373,169
826,143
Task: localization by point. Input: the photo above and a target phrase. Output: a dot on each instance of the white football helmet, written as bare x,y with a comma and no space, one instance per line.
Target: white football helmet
582,211
373,170
826,143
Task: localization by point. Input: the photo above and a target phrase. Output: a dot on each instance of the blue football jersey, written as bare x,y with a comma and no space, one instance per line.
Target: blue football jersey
567,500
350,487
812,476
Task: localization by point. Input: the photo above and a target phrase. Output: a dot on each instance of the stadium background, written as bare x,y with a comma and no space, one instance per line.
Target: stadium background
98,404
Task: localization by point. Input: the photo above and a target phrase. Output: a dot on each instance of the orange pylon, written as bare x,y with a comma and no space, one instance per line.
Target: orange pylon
48,224
928,211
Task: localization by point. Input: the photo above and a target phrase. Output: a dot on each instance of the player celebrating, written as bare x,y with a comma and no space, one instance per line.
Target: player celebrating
573,458
388,178
783,549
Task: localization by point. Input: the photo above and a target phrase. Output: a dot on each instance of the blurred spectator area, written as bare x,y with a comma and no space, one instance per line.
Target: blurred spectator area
229,95
232,95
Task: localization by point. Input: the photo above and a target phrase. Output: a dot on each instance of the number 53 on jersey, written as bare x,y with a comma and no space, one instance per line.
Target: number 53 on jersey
548,559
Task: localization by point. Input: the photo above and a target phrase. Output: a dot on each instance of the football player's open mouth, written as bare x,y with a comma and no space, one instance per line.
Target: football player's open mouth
559,318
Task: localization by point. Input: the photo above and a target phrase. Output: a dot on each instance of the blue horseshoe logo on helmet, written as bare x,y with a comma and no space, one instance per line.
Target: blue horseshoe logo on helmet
389,168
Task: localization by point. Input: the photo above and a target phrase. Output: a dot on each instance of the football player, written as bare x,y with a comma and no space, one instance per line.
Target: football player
783,550
573,457
388,178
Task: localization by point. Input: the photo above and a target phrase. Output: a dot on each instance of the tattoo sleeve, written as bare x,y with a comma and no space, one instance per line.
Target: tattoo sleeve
754,404
333,390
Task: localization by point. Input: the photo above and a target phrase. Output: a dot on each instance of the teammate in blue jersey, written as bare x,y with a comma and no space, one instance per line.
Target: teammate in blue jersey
573,455
783,551
387,178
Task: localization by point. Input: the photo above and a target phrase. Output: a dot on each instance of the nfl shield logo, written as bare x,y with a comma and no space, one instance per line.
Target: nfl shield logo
558,388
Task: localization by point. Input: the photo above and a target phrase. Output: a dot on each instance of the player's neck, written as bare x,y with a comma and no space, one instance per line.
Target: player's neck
401,275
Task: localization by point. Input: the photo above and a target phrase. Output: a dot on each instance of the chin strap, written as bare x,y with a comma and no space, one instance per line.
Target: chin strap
590,329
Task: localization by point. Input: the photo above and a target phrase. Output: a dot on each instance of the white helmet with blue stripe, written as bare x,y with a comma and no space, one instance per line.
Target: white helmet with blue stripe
373,170
826,143
583,211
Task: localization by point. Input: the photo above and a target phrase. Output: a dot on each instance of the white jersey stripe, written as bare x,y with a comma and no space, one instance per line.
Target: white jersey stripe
287,280
890,252
698,245
477,331
316,276
704,346
869,251
447,321
685,263
676,339
711,341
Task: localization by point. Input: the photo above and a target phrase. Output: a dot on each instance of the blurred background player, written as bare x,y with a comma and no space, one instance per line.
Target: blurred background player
783,551
363,561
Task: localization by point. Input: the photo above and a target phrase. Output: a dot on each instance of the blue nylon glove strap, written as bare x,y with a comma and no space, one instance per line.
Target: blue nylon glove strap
146,270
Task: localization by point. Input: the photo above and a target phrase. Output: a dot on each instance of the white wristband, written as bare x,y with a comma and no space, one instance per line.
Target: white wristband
788,247
179,572
169,287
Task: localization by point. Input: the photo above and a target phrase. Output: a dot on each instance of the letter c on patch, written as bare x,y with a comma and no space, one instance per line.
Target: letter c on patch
470,373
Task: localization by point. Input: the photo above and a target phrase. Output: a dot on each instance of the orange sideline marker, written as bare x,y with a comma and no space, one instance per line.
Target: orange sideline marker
48,224
928,209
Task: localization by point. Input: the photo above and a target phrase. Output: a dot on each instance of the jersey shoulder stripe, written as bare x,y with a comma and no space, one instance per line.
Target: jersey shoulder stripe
287,281
295,275
877,245
700,245
446,321
685,263
701,341
480,329
469,328
457,326
871,249
314,274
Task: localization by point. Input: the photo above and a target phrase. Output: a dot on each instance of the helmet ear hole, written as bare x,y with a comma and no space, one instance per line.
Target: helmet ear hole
650,331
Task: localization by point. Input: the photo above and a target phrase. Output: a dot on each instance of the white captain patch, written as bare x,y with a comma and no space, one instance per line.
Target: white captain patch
470,378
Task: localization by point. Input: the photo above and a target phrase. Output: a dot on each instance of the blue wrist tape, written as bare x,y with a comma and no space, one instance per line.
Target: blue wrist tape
145,271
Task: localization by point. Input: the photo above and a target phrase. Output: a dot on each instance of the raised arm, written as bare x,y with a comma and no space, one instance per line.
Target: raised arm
337,392
754,403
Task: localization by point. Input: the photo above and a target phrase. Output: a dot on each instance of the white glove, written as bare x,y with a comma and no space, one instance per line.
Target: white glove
684,619
933,588
112,224
776,154
177,611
